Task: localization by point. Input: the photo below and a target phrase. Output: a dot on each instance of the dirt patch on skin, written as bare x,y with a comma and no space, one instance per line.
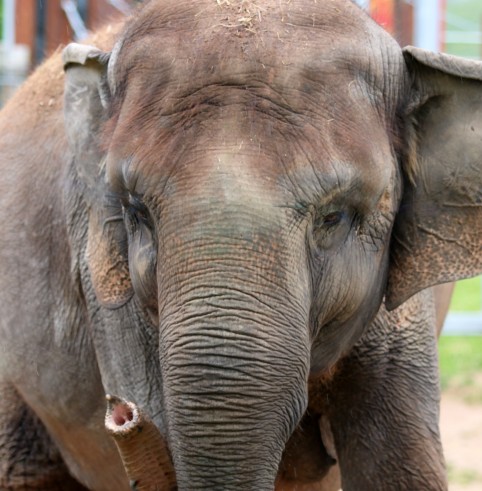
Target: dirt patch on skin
461,427
242,13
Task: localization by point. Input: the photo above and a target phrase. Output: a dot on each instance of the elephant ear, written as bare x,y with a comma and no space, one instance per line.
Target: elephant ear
86,97
437,234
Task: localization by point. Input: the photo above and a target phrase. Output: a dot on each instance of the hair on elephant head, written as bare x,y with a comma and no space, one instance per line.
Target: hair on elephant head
257,184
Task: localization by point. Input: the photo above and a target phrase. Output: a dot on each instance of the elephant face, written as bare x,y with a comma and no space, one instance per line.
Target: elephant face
252,169
276,144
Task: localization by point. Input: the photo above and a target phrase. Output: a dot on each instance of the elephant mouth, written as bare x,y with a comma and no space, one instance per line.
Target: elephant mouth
143,450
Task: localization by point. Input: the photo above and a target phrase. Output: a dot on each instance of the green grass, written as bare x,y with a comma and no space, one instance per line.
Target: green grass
461,365
467,295
468,13
462,476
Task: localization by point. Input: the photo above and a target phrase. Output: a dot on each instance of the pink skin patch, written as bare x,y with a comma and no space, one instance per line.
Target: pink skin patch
122,414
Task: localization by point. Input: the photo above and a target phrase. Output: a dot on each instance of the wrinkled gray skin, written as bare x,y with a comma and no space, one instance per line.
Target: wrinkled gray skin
211,236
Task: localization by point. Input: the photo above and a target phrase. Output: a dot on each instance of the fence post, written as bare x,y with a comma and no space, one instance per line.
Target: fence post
428,24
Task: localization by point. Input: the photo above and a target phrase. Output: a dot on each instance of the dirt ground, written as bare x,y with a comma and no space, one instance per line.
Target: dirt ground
461,426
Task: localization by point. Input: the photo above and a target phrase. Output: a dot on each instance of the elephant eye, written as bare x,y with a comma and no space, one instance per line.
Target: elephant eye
136,214
333,218
329,220
330,229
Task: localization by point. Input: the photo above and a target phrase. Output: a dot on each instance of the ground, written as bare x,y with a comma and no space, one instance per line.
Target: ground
461,426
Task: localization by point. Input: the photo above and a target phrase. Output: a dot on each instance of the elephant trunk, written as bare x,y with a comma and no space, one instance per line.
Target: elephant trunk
230,410
234,367
234,342
142,448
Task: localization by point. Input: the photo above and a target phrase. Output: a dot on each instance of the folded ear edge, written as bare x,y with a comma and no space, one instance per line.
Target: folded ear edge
80,54
449,64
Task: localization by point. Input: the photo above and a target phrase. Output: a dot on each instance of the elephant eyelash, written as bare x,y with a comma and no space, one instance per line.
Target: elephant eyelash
137,211
130,206
132,218
301,209
115,201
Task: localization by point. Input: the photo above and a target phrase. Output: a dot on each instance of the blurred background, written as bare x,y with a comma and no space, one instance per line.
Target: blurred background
30,30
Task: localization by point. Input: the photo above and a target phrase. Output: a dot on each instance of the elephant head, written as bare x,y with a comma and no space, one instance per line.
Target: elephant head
256,185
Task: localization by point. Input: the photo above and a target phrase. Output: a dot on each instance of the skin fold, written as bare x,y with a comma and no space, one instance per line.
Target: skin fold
230,214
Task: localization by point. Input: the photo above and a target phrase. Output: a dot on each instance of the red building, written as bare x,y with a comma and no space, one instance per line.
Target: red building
396,16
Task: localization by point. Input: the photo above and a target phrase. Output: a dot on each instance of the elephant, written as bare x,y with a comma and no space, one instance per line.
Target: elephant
226,218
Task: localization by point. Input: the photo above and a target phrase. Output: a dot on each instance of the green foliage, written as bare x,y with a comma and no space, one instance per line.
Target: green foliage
461,365
467,295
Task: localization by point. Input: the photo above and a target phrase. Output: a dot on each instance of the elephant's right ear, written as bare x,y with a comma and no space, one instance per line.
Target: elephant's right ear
86,96
437,235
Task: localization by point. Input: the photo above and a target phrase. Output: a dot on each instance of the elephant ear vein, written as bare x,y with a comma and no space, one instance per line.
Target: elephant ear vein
439,236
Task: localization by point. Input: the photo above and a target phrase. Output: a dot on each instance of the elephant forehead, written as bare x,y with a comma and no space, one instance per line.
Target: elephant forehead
247,154
173,48
294,81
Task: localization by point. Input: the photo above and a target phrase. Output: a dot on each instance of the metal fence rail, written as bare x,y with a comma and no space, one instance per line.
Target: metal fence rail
463,324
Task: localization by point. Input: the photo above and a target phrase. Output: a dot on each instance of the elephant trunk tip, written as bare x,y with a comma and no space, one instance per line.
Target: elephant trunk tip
142,447
121,415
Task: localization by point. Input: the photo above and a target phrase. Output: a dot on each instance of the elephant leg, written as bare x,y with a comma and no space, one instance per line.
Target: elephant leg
384,404
29,459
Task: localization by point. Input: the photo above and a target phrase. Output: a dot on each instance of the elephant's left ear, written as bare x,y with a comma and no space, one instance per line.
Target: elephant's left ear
437,234
85,99
86,96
